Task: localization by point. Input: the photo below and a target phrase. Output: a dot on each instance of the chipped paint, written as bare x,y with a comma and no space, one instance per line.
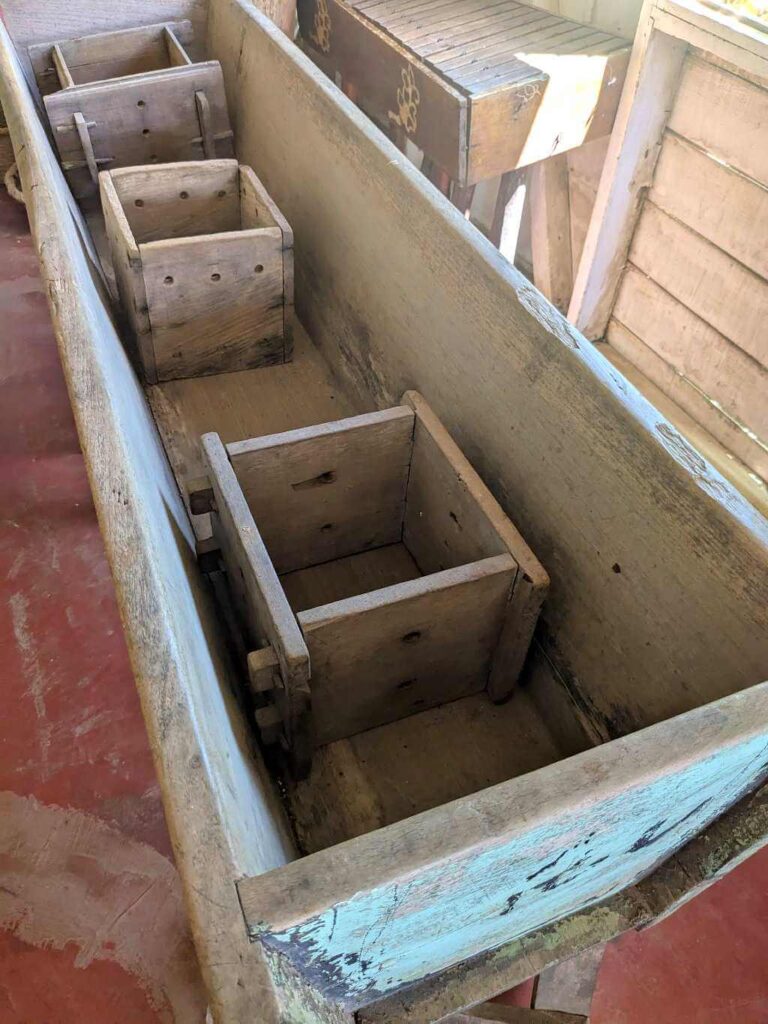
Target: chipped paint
398,933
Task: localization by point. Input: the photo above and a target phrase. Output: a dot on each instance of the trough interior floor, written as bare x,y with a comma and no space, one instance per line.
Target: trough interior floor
389,773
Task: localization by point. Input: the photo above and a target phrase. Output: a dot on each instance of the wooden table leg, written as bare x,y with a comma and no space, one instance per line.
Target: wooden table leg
551,230
508,213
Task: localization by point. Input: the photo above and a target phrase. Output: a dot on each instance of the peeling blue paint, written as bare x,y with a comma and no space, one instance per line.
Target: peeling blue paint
396,934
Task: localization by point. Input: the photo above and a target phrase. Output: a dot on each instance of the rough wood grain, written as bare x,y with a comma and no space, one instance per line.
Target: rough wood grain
415,298
649,91
330,490
382,655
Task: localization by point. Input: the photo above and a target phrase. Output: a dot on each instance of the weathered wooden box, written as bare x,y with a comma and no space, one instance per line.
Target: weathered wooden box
130,97
386,497
203,261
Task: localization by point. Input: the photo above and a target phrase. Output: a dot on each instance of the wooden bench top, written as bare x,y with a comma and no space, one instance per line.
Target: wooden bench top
481,86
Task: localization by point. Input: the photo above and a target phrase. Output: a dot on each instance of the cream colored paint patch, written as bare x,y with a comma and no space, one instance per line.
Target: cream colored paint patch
66,877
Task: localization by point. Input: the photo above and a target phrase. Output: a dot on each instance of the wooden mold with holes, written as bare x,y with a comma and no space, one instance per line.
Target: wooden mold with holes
460,590
129,97
203,261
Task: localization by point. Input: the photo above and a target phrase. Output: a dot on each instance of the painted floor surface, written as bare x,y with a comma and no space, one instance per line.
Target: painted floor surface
92,927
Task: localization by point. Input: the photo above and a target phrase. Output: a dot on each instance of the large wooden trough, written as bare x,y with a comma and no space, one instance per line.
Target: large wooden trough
432,861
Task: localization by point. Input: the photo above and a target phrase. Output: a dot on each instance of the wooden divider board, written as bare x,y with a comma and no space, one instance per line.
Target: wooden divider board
142,119
327,491
383,655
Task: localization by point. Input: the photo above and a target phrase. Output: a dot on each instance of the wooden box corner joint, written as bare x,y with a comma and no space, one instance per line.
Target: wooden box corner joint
203,261
300,518
133,96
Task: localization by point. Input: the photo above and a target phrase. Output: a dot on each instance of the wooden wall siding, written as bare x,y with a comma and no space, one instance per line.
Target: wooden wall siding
183,678
400,292
508,860
695,289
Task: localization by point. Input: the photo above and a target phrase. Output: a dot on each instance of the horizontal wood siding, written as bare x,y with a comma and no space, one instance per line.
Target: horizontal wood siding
693,299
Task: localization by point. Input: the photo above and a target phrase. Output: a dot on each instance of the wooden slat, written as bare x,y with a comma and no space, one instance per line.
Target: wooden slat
550,230
585,165
330,490
215,301
725,115
382,655
730,223
143,119
715,287
727,444
651,85
698,351
253,580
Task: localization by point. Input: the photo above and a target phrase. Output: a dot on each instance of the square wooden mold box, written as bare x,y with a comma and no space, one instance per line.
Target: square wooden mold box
377,567
135,96
203,261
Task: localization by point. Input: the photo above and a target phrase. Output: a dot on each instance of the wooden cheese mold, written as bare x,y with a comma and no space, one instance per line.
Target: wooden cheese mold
129,97
203,261
460,594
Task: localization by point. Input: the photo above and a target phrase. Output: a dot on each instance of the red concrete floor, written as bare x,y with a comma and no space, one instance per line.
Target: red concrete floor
92,928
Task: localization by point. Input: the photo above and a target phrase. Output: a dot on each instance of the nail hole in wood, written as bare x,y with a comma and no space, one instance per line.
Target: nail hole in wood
326,527
168,280
183,195
215,277
154,159
411,638
139,202
221,193
141,103
259,267
145,131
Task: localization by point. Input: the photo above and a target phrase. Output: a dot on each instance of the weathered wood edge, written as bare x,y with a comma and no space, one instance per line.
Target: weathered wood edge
209,853
734,837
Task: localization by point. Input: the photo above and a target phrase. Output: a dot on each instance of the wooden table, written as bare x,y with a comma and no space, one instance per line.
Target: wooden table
481,86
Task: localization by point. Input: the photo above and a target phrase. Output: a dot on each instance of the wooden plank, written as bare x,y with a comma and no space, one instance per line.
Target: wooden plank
93,57
215,301
723,114
693,413
330,490
585,165
266,611
523,852
451,518
719,290
720,369
193,197
414,297
126,265
649,92
718,31
395,87
550,230
382,655
143,119
730,222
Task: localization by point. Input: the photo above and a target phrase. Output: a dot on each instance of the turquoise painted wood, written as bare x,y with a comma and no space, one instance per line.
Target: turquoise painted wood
506,862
